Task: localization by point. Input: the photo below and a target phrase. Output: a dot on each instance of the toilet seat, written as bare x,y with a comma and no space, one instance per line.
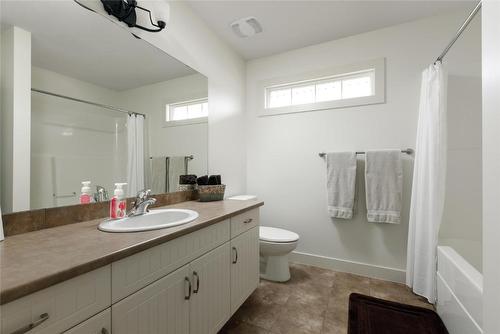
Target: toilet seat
277,235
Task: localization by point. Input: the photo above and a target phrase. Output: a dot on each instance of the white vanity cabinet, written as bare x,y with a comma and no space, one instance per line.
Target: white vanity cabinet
202,295
188,285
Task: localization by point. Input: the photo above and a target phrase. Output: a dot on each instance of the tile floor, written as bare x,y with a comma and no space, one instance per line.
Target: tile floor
314,301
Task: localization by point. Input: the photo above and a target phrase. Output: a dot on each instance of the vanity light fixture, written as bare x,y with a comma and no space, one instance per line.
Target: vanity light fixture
246,27
124,10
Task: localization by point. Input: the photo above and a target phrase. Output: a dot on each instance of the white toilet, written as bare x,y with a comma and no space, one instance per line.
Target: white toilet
275,245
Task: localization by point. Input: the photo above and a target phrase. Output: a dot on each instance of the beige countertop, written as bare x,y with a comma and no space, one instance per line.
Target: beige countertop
33,261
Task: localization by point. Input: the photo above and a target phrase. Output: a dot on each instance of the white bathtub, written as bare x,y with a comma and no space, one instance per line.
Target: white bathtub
460,292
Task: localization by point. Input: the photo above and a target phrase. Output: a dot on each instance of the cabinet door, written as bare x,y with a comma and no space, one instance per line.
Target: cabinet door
160,308
244,266
98,324
210,303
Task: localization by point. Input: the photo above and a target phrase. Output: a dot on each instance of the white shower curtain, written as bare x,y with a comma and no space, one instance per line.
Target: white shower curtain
135,156
428,191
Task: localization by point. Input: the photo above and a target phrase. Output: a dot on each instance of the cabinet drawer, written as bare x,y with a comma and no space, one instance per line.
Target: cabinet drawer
135,272
66,304
243,222
98,324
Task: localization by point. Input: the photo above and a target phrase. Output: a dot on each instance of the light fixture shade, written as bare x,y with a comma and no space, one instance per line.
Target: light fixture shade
246,27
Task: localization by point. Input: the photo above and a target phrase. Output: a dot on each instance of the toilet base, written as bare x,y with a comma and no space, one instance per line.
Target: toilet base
275,268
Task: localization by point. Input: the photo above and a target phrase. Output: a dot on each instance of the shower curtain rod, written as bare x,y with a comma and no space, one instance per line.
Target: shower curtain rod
105,106
460,31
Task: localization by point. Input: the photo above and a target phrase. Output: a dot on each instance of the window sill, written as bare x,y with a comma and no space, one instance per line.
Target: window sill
184,122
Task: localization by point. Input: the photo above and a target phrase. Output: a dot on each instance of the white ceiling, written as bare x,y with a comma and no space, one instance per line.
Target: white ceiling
290,25
73,41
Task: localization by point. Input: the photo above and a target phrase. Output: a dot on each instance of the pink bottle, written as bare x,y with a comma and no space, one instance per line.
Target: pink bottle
86,193
118,204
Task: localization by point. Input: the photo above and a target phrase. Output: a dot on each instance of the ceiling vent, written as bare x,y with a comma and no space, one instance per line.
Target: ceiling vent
246,27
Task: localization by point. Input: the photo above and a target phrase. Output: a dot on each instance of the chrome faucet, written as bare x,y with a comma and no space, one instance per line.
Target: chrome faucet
142,203
101,195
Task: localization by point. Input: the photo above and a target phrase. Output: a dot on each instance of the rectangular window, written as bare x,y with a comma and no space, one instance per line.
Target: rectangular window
345,86
187,112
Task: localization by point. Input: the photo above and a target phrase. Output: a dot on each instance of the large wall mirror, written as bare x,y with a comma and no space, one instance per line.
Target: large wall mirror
106,107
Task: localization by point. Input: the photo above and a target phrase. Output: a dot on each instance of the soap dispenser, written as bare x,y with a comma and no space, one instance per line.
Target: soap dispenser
118,204
86,193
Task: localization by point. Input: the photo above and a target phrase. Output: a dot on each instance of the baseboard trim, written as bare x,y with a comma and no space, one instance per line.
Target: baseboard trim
353,267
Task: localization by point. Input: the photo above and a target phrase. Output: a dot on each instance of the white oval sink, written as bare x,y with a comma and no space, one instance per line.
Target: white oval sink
153,220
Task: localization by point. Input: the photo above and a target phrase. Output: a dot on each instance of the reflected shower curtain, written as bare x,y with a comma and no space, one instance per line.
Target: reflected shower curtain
428,190
135,156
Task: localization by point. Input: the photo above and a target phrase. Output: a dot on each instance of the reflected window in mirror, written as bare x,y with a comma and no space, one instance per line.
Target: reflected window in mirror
187,112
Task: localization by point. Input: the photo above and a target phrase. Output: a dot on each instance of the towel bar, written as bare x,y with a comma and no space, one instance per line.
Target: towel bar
408,151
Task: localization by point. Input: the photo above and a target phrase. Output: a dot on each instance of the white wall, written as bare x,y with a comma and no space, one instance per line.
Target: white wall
16,117
64,85
283,166
491,165
173,140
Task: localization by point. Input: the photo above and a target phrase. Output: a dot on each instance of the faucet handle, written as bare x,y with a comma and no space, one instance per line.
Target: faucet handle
143,194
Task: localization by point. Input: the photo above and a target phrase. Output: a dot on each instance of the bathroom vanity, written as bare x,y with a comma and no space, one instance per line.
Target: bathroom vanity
186,279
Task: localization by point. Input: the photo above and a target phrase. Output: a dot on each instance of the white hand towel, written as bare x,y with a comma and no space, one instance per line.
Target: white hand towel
341,183
384,186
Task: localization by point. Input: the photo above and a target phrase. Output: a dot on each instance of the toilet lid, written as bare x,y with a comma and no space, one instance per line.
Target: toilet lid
273,234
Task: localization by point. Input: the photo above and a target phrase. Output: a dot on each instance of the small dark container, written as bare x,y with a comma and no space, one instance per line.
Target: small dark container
187,179
214,179
202,180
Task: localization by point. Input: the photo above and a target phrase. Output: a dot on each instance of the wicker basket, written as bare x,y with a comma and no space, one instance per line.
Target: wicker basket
187,187
211,192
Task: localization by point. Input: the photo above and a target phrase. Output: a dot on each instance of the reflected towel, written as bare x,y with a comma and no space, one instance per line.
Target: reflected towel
384,186
341,183
158,175
176,168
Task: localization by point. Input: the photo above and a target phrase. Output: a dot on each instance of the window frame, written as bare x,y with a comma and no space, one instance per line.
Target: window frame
315,77
189,121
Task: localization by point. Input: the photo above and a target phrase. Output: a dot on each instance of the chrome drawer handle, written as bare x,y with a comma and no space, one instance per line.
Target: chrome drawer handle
197,288
44,317
189,288
236,255
248,221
